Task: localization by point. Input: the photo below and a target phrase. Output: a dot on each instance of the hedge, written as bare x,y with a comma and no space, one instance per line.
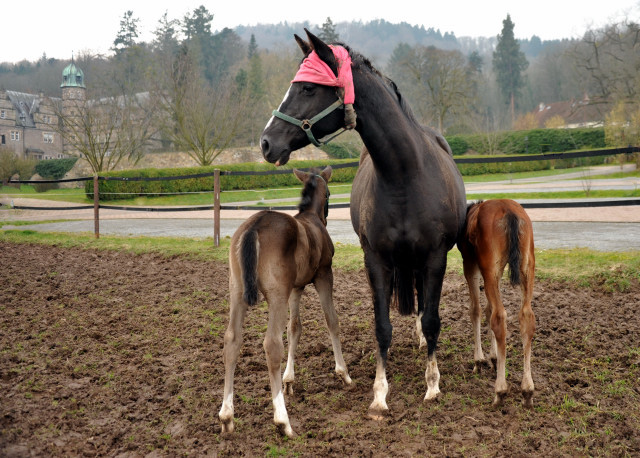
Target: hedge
55,169
118,189
530,141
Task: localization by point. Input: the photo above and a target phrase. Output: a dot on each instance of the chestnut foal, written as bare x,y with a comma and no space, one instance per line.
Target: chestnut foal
499,232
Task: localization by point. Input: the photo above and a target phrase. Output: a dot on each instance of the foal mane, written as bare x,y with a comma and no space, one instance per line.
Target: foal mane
309,191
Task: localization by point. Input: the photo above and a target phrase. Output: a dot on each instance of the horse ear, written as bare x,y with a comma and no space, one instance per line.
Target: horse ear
300,175
304,46
326,173
324,51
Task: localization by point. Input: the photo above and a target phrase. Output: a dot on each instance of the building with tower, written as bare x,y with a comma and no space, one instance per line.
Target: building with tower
29,123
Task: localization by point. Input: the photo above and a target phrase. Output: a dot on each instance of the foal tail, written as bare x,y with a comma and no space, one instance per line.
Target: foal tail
249,260
514,258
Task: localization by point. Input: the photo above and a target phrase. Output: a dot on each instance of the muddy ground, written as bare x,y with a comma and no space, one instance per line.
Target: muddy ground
108,353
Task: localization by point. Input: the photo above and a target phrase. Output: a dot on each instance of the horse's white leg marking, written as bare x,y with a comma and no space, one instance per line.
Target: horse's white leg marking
280,417
324,286
421,339
232,344
280,106
274,350
293,336
380,390
432,375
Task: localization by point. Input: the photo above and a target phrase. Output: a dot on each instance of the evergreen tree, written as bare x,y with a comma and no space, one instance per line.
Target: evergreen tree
509,63
198,24
328,32
128,32
253,47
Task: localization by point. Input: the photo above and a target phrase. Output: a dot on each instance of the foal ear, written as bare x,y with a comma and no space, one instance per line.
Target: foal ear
300,175
326,173
304,46
324,51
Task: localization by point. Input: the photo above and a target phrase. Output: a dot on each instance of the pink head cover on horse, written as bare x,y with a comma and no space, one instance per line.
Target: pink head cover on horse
315,70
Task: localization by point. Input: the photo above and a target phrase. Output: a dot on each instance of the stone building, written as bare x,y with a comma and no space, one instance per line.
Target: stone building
28,122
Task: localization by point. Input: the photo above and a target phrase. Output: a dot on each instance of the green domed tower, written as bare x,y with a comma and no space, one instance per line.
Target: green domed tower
73,95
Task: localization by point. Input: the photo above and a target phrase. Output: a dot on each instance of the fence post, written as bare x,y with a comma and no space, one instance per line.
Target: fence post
96,207
216,207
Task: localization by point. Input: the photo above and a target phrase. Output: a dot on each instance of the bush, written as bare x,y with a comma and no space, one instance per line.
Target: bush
118,189
10,164
530,141
55,169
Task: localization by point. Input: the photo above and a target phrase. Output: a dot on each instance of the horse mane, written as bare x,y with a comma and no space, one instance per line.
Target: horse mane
361,62
309,191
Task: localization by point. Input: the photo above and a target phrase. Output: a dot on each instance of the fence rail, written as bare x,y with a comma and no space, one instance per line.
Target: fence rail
216,207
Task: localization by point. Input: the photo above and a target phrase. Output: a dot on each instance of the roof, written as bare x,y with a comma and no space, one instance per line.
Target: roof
574,113
72,76
25,105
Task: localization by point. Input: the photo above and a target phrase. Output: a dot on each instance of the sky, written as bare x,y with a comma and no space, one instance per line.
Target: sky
59,29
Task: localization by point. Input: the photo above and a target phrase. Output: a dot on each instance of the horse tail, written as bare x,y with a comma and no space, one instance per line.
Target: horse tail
514,258
403,287
249,256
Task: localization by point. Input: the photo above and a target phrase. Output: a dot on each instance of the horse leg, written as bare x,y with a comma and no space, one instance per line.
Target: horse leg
380,282
471,275
324,285
498,322
433,277
232,345
293,336
422,342
274,350
527,328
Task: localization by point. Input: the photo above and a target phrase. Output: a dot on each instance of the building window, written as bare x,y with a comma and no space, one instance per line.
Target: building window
47,137
15,135
3,140
3,114
46,119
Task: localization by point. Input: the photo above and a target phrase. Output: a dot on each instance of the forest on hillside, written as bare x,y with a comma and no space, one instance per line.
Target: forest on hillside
234,78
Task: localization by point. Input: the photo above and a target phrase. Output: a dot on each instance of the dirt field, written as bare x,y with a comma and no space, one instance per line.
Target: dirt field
114,354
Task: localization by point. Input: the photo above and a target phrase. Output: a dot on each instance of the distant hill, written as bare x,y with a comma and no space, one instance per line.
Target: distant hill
377,39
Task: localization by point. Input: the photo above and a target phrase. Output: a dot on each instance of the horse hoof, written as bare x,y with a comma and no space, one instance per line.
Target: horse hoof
499,398
227,427
344,376
431,395
288,388
480,365
527,399
376,414
285,429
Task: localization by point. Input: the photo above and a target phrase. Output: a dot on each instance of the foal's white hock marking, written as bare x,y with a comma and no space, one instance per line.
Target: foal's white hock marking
280,417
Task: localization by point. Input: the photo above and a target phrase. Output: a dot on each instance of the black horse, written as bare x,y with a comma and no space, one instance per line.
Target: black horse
408,202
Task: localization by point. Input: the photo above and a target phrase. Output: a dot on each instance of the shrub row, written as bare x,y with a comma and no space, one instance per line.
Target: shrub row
118,189
529,141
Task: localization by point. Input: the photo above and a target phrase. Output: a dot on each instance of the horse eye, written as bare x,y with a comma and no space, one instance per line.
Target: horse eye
308,88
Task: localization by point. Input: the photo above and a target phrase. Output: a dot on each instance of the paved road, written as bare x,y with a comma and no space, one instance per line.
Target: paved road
600,228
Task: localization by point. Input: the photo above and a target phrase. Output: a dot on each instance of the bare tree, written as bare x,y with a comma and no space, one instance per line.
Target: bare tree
445,82
107,130
198,118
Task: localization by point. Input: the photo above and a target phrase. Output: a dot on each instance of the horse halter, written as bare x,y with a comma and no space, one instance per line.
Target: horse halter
307,124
